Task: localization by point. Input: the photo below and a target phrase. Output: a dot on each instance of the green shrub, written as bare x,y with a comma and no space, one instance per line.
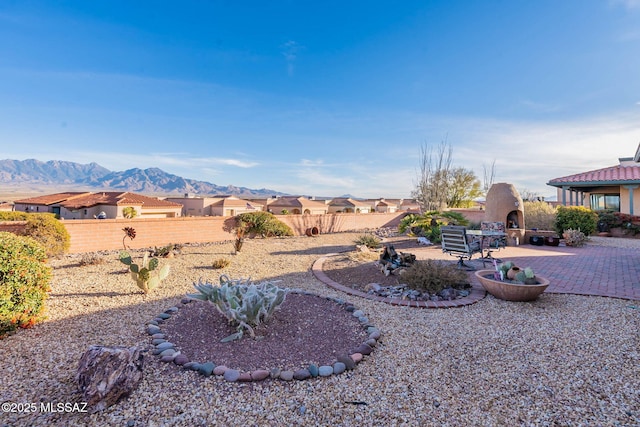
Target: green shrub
263,224
433,276
576,218
13,216
243,303
540,215
49,232
369,240
428,224
24,282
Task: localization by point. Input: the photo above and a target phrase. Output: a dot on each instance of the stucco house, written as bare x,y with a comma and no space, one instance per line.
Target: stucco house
215,206
348,205
108,204
297,205
616,187
231,206
383,205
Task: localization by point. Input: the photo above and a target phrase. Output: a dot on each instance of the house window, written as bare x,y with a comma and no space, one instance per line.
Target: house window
85,211
605,202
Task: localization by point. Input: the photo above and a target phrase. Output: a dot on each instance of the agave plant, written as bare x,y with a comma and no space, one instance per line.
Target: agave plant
244,303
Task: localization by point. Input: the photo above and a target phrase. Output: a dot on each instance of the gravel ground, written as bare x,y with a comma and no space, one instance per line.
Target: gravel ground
562,360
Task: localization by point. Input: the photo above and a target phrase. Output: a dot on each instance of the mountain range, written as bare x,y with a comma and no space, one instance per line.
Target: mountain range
69,176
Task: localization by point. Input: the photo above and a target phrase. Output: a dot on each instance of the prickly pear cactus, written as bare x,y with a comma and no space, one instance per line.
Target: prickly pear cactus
143,274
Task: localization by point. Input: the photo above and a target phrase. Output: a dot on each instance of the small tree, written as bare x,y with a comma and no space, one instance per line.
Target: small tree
260,223
432,186
129,212
463,188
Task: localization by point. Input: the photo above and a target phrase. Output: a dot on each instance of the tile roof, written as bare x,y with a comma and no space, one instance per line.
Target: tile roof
50,199
78,200
614,174
297,202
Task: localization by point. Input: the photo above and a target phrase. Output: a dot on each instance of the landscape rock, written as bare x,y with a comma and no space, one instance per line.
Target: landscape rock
106,374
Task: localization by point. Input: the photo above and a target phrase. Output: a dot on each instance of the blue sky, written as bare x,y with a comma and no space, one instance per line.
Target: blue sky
322,98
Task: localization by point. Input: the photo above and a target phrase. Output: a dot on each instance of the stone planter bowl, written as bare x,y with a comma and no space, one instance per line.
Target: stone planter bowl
511,291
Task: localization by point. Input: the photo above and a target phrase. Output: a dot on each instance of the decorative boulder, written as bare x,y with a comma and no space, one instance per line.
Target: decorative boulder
105,374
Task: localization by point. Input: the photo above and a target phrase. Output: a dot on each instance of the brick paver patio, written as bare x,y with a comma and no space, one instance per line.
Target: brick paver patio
588,270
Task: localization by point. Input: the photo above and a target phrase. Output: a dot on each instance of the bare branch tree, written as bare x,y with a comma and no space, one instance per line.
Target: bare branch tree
432,187
489,176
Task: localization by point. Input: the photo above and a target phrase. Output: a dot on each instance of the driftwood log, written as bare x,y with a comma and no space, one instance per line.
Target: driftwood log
105,374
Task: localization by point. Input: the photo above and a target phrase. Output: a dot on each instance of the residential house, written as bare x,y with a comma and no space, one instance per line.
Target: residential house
102,205
348,205
231,206
214,206
383,205
6,206
616,187
297,205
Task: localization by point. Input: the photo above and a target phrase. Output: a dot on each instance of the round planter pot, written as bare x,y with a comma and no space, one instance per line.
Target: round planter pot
511,291
552,241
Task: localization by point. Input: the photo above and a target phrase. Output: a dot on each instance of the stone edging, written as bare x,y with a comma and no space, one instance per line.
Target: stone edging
476,294
166,351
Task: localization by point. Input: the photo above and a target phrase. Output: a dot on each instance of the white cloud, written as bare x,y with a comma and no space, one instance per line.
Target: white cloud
290,51
628,4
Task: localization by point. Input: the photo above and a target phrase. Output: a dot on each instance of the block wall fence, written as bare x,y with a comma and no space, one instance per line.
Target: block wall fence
89,235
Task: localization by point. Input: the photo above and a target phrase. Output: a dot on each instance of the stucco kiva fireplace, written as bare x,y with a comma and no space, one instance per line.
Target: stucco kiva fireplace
505,204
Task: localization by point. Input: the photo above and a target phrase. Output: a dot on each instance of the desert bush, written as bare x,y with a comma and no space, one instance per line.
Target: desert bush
252,224
167,251
91,258
49,232
433,276
540,215
13,216
220,263
242,302
24,282
369,240
262,224
574,237
575,218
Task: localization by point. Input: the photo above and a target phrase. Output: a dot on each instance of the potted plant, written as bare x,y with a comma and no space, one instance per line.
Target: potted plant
525,285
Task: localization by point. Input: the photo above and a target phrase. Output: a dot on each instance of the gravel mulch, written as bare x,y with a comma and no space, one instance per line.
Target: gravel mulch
562,360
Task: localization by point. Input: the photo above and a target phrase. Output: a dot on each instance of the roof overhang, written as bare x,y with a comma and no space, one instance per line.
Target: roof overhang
586,185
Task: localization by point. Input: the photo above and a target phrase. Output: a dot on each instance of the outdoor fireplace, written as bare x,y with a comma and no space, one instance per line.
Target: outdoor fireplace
504,204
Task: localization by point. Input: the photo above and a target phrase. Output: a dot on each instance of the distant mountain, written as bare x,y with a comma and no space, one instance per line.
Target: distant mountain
59,174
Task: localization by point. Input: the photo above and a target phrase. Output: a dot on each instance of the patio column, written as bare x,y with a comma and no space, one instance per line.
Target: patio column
631,188
564,195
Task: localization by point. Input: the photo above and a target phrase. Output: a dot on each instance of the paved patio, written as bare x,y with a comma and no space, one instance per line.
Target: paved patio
590,270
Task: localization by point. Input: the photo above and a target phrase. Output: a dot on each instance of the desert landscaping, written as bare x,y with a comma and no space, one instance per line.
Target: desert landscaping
560,360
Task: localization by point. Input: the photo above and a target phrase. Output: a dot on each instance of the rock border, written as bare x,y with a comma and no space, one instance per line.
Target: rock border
477,292
166,351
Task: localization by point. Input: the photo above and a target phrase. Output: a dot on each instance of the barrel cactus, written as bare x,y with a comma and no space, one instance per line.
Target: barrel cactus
147,275
244,303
